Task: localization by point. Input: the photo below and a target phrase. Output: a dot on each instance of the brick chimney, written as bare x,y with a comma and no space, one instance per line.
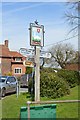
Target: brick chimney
6,43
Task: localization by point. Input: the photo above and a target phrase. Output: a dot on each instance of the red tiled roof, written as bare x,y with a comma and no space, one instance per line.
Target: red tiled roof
15,54
4,52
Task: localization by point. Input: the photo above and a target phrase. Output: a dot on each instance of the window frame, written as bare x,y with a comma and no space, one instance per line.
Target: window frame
18,60
18,69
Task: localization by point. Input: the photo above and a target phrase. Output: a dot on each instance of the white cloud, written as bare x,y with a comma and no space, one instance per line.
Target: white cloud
23,8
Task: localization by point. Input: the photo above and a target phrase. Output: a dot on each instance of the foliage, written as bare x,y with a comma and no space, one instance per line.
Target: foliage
49,70
8,74
72,77
56,84
28,70
52,86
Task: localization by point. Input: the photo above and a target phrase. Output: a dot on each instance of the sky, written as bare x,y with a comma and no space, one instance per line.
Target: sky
17,16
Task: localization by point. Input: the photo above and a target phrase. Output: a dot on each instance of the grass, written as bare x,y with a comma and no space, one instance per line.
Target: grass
0,109
11,105
67,110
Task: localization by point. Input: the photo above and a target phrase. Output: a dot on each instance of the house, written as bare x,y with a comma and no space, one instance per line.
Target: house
11,62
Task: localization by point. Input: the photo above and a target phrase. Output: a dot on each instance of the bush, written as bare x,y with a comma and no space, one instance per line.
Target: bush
52,86
72,77
49,70
8,74
58,84
28,70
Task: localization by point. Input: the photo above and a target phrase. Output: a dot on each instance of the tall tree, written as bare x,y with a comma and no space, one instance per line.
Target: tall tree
62,54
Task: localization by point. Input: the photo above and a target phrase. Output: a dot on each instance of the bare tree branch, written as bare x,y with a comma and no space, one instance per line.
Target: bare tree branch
71,15
61,54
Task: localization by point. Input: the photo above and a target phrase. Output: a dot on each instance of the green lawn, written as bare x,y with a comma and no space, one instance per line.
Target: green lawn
11,105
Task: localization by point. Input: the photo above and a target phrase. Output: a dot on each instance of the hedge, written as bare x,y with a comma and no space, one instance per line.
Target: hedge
52,86
72,77
56,84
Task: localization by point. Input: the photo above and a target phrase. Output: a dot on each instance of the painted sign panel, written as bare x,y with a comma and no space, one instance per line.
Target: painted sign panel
36,35
28,64
27,52
23,51
44,54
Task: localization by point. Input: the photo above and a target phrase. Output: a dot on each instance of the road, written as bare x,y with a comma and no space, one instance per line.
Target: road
23,90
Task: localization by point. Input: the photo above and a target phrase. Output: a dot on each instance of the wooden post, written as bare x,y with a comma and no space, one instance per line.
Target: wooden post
37,74
28,104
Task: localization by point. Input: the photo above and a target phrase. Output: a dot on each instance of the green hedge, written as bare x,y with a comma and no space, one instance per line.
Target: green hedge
72,77
56,84
52,86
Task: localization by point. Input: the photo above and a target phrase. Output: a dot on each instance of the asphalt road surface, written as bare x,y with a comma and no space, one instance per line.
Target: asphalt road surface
23,90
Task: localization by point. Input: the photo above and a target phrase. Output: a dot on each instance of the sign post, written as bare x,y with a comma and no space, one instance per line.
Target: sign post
37,40
37,75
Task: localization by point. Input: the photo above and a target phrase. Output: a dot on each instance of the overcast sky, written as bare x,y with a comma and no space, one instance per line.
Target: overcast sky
16,17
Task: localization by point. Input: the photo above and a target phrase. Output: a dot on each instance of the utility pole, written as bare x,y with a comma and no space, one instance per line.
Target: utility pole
37,74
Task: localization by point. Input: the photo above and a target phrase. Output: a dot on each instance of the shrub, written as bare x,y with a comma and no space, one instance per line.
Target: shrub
49,70
28,70
72,77
52,86
8,74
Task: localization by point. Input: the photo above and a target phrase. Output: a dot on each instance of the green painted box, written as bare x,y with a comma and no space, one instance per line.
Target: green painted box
48,112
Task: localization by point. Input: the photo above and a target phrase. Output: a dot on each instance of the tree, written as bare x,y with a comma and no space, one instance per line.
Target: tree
72,15
62,54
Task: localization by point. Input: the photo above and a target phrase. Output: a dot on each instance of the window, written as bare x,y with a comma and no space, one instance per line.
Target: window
9,79
13,79
17,59
18,70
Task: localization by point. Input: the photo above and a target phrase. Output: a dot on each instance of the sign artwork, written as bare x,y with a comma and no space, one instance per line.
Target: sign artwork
37,35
